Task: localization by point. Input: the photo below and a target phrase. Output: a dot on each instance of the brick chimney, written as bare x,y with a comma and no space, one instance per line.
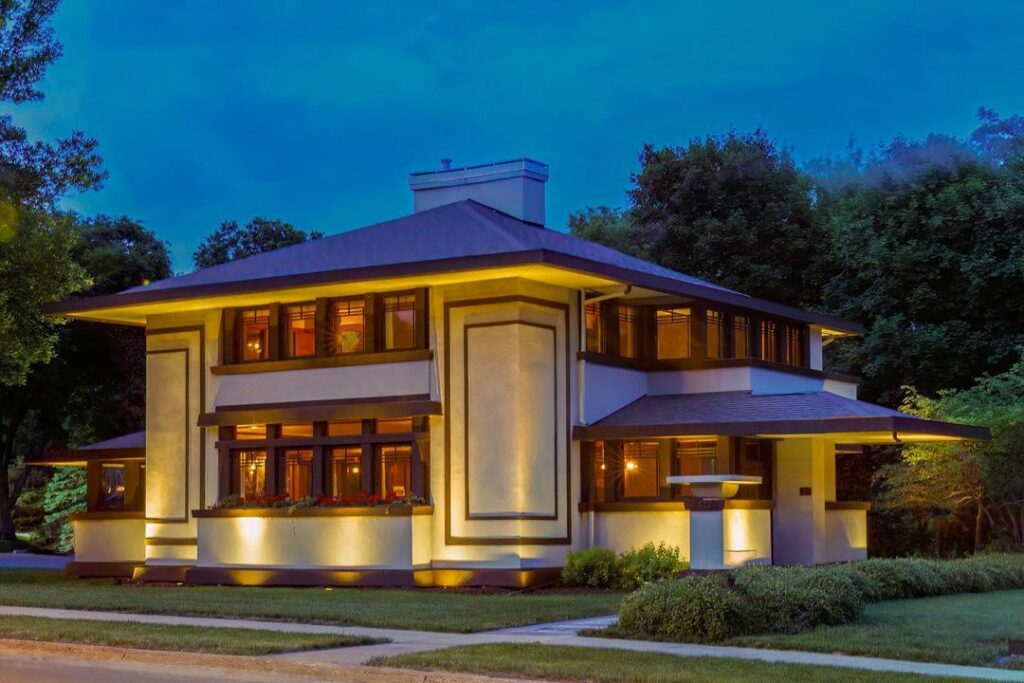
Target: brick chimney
515,187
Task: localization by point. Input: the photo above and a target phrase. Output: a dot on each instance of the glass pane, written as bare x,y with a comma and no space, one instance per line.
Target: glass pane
255,333
298,473
299,430
599,471
715,334
627,331
251,432
112,488
741,336
794,345
769,341
394,425
349,328
251,473
396,470
594,328
300,330
345,428
400,322
346,477
755,459
673,331
640,466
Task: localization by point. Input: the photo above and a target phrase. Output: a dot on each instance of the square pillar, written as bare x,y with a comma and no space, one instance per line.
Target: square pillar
798,520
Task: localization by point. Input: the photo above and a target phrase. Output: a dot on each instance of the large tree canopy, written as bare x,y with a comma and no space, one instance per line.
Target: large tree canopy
231,242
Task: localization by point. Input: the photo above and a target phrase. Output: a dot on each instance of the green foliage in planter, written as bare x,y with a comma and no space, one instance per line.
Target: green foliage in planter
602,568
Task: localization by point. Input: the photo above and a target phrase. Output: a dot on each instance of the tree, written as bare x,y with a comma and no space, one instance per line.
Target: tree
231,242
611,227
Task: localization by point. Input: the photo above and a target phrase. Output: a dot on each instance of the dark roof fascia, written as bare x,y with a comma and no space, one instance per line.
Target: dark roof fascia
893,424
310,411
86,455
655,282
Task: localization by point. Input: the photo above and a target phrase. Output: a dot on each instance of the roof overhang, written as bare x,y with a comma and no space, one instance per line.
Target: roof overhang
310,411
127,447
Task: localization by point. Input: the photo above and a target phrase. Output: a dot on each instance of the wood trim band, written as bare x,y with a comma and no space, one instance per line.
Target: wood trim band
847,505
97,515
157,540
315,411
353,511
691,504
709,364
313,362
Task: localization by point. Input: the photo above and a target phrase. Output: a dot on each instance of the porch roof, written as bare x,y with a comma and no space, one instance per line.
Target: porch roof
125,447
741,413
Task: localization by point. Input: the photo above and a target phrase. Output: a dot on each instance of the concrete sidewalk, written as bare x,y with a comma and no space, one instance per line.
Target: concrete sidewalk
561,633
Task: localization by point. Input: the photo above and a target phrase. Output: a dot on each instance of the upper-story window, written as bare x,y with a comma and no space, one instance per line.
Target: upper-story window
628,319
399,321
795,345
741,336
348,331
255,334
715,333
673,332
300,330
769,340
595,325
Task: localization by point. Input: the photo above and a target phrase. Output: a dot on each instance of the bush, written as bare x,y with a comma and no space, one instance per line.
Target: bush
593,568
651,563
754,600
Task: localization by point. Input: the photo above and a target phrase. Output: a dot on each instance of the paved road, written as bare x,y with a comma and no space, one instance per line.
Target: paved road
20,669
33,561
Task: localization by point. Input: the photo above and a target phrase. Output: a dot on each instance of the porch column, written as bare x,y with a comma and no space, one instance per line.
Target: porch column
798,520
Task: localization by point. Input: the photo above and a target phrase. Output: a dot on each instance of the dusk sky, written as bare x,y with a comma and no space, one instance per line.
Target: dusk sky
315,112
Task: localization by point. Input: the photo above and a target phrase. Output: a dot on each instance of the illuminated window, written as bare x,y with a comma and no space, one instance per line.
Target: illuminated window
255,333
673,332
298,473
295,431
346,474
396,470
640,469
769,340
394,425
300,330
349,326
251,432
715,334
599,471
695,458
755,459
251,473
399,321
795,345
595,325
112,487
627,331
741,336
345,428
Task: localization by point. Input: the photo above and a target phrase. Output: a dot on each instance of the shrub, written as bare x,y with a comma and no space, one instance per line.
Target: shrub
593,568
651,563
696,608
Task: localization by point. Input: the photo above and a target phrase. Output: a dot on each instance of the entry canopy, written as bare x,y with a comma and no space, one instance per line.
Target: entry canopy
126,447
741,413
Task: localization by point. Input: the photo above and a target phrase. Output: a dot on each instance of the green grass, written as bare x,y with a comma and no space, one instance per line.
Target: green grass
956,629
431,610
233,641
615,666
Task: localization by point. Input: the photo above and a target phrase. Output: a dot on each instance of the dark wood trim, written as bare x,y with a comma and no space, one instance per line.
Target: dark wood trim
347,511
311,362
161,573
553,515
683,503
81,457
248,576
314,411
113,570
451,539
847,505
99,515
322,331
164,540
228,327
274,336
371,338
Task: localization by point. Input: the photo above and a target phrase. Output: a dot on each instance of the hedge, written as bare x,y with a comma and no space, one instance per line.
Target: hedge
602,568
754,600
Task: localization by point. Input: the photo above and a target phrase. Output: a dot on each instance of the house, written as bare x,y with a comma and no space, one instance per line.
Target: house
471,395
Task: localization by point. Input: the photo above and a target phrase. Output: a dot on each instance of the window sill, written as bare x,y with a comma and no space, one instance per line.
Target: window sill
107,514
352,511
323,362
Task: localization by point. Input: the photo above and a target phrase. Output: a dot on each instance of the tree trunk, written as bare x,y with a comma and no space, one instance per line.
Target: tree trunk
6,505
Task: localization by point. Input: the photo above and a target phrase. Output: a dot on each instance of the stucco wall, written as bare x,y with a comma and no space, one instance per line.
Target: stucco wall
846,534
621,531
800,494
747,537
109,540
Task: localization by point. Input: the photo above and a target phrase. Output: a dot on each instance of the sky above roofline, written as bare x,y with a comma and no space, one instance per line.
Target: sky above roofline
316,113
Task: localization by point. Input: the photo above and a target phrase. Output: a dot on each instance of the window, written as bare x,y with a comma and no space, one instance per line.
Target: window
251,432
627,331
346,476
395,470
599,471
640,469
349,326
399,321
715,334
755,459
595,325
394,425
112,488
298,473
795,345
255,339
250,473
297,431
345,428
741,336
300,330
673,332
695,458
769,340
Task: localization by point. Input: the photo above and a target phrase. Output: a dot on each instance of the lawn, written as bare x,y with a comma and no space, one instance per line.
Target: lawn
957,629
616,666
432,610
164,637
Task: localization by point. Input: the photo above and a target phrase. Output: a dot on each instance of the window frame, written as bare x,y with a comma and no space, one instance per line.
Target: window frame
240,343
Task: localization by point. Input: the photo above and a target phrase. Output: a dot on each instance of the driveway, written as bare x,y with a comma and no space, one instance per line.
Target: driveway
33,561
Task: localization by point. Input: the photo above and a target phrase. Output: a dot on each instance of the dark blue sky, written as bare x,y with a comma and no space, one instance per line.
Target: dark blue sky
314,112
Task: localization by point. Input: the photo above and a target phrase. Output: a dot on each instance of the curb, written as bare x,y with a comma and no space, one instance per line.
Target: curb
235,664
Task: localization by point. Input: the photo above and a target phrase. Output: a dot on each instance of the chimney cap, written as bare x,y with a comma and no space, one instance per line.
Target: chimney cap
480,173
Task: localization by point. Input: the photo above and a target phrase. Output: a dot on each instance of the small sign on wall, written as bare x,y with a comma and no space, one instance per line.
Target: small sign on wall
805,490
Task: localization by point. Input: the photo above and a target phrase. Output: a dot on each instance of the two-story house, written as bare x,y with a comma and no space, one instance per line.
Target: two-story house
528,392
